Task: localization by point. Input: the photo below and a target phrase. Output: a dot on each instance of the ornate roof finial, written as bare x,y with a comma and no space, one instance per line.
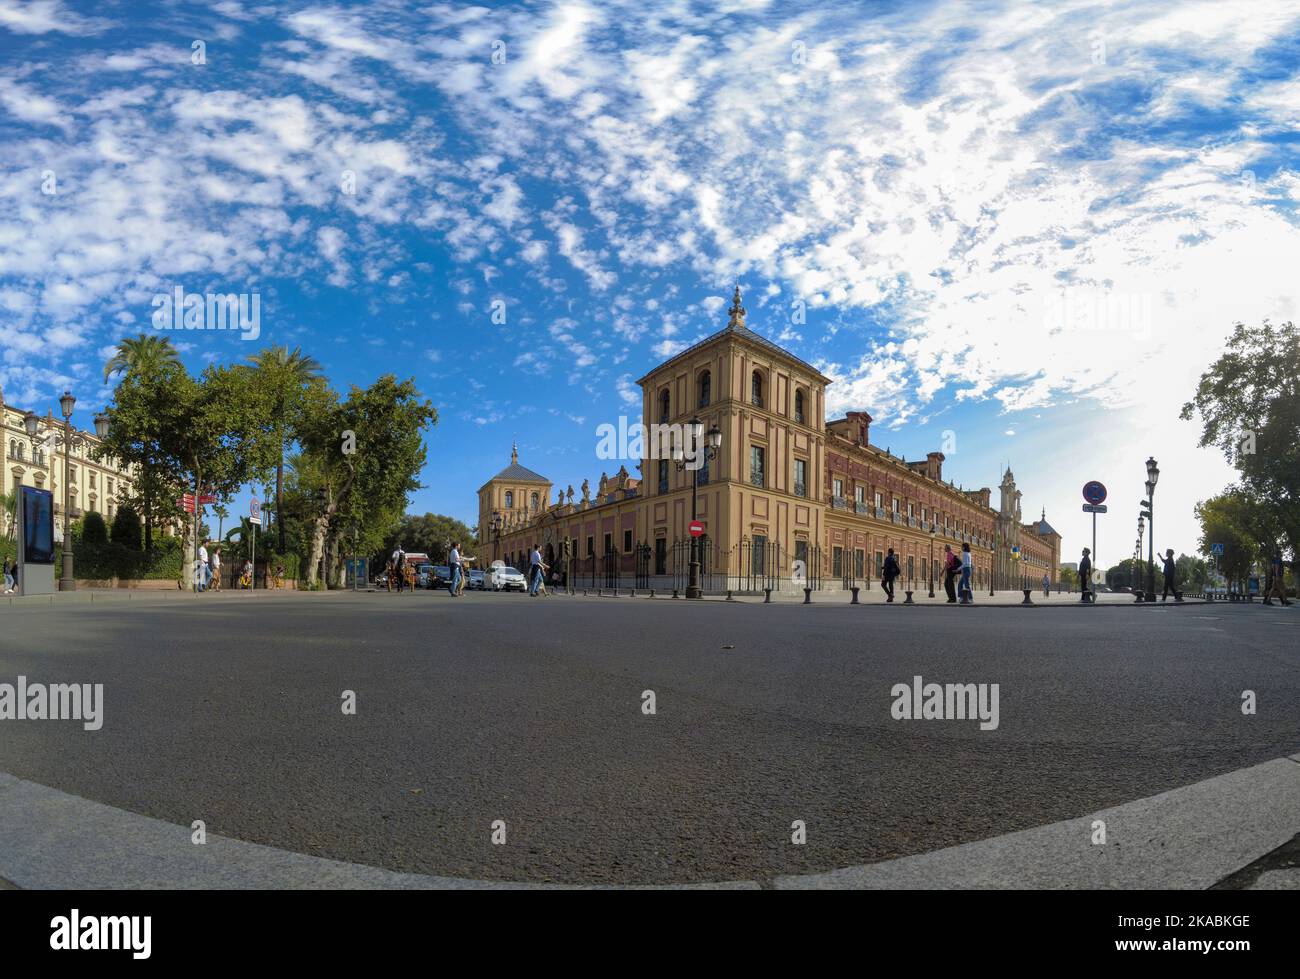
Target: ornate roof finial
1044,517
737,319
514,453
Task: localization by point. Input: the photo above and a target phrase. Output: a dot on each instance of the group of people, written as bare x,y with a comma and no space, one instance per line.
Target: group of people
207,571
957,571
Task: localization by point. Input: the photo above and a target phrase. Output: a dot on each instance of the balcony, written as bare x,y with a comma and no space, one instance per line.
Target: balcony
800,489
839,503
880,513
862,508
756,478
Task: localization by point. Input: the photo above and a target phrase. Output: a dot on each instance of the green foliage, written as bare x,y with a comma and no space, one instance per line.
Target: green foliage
1238,522
93,528
431,534
1249,405
113,560
127,529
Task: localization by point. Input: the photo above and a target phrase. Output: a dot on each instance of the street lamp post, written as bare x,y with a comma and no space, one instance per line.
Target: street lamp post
1153,476
932,560
496,534
709,449
1137,558
71,439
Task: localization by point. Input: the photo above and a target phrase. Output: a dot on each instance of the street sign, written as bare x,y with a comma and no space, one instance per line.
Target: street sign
206,499
254,511
696,528
187,503
1095,493
1094,508
1216,548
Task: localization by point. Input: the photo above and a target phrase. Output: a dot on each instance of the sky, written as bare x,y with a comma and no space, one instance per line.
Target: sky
1015,232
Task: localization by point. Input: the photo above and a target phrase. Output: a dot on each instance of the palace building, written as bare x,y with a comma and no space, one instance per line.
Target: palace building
788,495
92,485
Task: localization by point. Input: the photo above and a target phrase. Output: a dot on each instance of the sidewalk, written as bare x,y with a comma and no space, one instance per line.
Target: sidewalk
875,596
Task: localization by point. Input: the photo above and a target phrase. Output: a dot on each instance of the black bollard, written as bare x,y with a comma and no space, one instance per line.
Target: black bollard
729,598
855,595
908,599
1028,600
674,593
807,596
767,595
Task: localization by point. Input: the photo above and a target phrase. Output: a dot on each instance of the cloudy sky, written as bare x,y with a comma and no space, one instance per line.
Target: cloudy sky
1017,231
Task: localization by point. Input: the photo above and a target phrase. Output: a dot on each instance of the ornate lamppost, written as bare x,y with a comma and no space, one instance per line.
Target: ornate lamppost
706,449
497,522
1153,476
1137,558
931,560
70,439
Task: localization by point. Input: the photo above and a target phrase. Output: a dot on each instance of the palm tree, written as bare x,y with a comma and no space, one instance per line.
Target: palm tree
142,358
285,374
8,501
222,512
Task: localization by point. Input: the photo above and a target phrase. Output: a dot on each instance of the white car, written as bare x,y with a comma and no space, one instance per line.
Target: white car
503,578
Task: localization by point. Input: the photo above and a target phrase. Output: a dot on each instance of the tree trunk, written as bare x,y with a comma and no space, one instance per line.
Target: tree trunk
320,529
279,494
148,507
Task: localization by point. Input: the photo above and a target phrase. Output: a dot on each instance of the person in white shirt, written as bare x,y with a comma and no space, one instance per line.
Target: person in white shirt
453,561
534,570
967,568
202,569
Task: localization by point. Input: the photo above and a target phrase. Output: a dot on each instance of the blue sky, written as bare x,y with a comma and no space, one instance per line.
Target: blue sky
1028,227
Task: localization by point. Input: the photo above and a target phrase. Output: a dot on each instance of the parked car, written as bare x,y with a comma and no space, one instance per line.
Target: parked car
424,576
504,578
381,580
441,576
477,579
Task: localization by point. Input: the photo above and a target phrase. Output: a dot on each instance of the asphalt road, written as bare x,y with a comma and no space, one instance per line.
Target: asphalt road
500,707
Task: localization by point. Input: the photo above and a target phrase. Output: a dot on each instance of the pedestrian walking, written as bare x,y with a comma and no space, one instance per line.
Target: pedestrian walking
9,577
1047,583
888,572
201,569
1085,576
967,569
951,565
1276,582
1170,573
453,562
534,570
215,563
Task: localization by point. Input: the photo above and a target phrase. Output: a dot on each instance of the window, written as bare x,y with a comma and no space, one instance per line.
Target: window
880,501
838,491
837,562
911,568
859,563
880,563
609,543
536,501
922,514
704,470
93,477
756,390
510,497
110,485
910,512
925,569
860,495
627,542
706,382
13,448
661,555
21,449
798,407
758,555
800,478
591,545
756,459
663,406
801,553
894,505
663,475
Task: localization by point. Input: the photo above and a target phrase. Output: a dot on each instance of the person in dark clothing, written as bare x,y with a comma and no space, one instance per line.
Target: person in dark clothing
1085,576
888,572
1170,572
951,565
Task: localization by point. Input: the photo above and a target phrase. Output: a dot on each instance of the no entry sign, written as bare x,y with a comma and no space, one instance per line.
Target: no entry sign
696,528
1094,492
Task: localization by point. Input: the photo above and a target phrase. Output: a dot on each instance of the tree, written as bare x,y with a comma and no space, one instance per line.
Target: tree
137,414
283,375
1249,405
355,486
431,534
93,529
215,434
222,513
126,528
8,502
1068,577
1232,519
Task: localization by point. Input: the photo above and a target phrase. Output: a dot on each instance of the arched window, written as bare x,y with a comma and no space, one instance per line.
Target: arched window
13,448
536,502
22,450
510,500
663,406
756,390
798,408
706,382
663,475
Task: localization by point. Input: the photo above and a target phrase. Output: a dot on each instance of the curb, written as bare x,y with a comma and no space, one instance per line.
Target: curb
1187,838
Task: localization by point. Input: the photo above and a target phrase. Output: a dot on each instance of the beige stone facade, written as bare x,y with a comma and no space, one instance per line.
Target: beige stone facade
815,496
95,485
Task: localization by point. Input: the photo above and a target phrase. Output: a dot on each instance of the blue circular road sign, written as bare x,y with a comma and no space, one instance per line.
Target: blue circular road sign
1094,492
